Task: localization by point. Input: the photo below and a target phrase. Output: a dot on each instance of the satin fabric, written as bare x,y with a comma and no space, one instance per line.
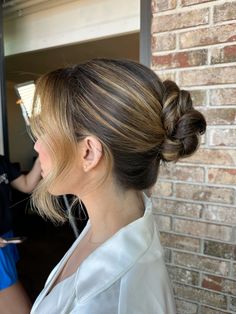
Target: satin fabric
125,275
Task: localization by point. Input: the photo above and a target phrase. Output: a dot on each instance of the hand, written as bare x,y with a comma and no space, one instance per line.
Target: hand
3,242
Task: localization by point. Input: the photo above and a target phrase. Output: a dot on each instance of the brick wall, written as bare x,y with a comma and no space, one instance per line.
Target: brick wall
194,43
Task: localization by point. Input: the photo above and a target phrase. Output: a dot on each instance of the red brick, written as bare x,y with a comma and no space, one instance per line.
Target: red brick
166,75
226,157
223,54
223,96
162,42
220,116
203,263
174,207
180,20
180,59
180,242
202,229
205,193
182,173
163,222
208,76
184,307
222,176
225,12
219,284
212,282
198,97
205,296
220,213
162,189
232,305
234,269
222,137
191,2
202,137
219,249
208,36
163,5
210,310
183,275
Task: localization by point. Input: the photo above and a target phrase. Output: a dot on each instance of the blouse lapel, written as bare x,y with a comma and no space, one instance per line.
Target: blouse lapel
115,256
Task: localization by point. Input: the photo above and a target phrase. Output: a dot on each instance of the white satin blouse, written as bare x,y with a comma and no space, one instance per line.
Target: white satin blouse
125,275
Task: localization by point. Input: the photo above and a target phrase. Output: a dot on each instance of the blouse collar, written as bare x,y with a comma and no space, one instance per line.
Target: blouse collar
115,256
109,261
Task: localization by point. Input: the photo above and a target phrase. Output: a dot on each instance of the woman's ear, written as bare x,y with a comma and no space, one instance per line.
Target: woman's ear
91,153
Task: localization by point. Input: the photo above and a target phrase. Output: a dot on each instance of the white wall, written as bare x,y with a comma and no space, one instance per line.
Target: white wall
70,22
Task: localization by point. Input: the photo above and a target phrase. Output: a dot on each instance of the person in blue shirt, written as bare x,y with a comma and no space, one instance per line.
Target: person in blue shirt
13,298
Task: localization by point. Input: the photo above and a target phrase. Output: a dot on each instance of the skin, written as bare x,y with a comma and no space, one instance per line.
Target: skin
109,207
14,299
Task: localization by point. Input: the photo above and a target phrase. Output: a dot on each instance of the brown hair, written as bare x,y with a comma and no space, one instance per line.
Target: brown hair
138,119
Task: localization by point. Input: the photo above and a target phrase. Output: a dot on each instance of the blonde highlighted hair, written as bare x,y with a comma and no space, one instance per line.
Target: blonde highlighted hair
138,119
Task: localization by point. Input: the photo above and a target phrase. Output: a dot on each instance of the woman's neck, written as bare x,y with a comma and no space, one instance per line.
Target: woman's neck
109,209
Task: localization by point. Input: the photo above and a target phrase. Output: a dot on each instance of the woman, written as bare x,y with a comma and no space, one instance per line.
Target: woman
102,129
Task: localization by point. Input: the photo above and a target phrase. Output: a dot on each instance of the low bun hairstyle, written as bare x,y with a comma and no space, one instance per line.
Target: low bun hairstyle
182,123
138,119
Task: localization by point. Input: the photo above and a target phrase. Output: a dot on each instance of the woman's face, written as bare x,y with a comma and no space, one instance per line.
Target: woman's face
44,157
70,184
76,180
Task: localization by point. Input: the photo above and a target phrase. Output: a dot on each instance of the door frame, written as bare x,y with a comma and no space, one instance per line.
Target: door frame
3,100
145,32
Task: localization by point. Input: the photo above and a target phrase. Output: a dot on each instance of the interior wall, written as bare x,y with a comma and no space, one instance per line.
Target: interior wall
56,23
20,143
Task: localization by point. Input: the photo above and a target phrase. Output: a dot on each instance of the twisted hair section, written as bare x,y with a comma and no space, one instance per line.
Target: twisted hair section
182,123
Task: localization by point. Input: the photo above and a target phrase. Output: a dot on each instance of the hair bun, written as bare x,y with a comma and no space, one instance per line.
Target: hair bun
182,123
